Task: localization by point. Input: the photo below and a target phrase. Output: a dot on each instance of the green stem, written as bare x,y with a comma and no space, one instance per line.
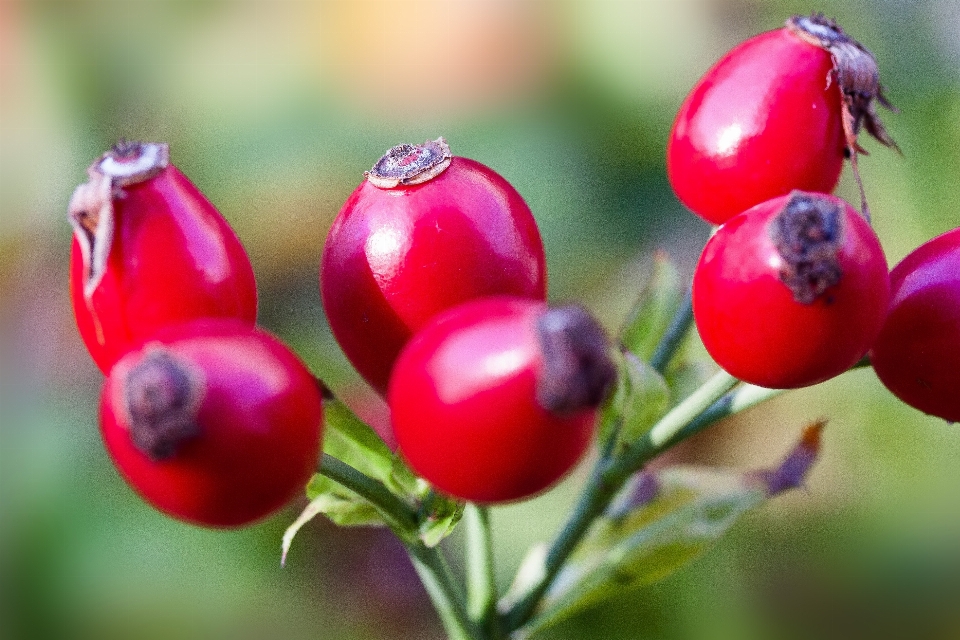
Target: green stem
597,493
437,579
401,516
740,399
429,562
664,432
670,342
607,478
481,581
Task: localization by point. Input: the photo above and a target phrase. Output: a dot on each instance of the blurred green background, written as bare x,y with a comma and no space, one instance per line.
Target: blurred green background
274,109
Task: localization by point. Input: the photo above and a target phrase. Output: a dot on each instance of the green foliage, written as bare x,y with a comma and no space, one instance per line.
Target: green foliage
438,516
654,310
352,442
347,438
640,399
661,523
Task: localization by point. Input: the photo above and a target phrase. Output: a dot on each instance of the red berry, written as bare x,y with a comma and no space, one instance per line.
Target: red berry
774,114
792,292
213,422
149,250
917,353
424,232
496,399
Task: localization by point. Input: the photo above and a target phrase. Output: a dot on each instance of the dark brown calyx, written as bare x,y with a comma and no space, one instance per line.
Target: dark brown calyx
409,164
858,75
578,372
161,397
808,235
91,206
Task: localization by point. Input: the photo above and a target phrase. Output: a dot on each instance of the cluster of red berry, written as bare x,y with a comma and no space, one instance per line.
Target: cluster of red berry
209,418
433,279
794,290
216,422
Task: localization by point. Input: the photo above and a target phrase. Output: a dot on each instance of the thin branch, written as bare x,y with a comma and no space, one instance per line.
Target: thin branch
481,581
435,574
401,515
673,338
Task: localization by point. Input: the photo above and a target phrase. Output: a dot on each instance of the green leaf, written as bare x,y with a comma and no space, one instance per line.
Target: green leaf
438,517
662,521
351,440
630,548
654,310
402,481
646,401
640,398
341,505
688,373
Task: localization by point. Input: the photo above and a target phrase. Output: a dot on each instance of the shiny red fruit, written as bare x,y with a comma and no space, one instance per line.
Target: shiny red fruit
769,117
149,250
495,400
917,355
792,292
213,422
424,232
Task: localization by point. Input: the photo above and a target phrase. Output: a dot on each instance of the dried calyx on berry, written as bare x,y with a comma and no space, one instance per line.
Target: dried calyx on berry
578,371
91,206
857,72
161,397
808,235
410,164
858,75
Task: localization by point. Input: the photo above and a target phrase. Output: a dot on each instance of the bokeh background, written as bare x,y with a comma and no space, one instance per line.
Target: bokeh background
274,109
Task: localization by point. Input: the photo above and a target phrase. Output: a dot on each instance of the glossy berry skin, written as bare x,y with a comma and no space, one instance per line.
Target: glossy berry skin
752,323
255,414
465,409
917,353
169,258
764,120
396,257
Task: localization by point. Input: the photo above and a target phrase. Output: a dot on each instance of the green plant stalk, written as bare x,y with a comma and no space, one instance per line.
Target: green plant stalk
481,581
675,334
716,399
447,600
606,480
663,433
400,515
740,399
428,562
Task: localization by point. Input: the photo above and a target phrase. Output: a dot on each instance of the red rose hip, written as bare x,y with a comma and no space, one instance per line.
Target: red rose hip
424,232
213,422
775,114
917,355
791,292
495,400
149,250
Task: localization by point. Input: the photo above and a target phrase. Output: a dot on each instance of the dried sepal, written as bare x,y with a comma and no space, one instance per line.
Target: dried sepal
91,207
410,164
